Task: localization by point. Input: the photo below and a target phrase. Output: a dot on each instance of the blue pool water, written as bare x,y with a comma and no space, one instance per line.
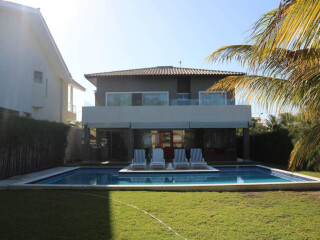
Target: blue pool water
227,175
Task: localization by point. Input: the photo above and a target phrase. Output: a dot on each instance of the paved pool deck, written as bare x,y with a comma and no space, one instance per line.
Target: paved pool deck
25,178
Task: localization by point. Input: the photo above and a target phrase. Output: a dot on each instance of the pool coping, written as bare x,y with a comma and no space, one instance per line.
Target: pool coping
311,185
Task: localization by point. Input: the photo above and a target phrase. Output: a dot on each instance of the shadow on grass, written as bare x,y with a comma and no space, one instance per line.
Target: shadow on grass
54,215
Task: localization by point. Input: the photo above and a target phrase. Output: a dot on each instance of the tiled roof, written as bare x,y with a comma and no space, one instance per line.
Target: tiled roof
162,71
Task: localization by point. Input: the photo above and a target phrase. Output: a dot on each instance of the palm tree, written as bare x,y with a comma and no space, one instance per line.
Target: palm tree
282,57
287,120
272,123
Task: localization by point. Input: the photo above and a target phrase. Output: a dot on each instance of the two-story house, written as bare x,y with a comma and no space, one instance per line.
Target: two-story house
163,107
34,79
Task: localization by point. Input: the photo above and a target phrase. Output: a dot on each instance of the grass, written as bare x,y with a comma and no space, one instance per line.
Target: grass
309,173
194,215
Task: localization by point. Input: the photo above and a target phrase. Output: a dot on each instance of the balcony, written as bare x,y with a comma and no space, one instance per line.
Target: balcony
162,99
177,115
72,108
72,112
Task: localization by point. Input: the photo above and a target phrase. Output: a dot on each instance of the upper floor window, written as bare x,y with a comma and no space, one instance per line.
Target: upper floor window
37,77
212,98
137,99
118,99
155,99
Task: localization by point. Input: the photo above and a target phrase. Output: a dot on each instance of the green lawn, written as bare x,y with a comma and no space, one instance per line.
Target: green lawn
194,215
309,173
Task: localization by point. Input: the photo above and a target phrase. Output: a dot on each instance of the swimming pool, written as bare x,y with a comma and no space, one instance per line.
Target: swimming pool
227,175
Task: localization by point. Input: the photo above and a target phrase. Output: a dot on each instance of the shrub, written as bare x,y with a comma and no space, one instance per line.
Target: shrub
269,147
28,145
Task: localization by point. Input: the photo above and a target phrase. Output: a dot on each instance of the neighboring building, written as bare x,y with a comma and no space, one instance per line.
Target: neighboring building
34,79
163,107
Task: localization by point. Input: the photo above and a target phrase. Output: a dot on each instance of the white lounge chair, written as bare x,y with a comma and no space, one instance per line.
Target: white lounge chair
180,160
196,159
139,161
157,161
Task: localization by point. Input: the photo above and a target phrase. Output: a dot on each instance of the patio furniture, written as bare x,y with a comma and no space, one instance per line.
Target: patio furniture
139,161
157,161
180,160
196,159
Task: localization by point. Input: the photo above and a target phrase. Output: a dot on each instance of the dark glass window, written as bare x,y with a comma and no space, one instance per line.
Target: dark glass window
37,77
183,85
136,99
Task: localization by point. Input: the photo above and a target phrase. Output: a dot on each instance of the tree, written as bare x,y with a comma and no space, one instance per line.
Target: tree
282,57
75,123
257,128
272,123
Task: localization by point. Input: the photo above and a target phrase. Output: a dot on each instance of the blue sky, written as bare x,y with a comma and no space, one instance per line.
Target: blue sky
107,35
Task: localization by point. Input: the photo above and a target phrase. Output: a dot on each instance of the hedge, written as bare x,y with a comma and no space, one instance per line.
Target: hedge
269,147
28,145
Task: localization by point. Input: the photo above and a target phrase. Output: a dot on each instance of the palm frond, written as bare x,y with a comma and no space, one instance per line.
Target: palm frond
267,92
307,146
293,25
279,62
282,57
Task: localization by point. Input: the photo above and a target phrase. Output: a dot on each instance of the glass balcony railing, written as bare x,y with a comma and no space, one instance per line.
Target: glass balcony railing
181,102
162,99
178,102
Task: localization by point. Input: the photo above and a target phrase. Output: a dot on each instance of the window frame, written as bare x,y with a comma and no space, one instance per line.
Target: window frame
184,94
46,87
41,78
112,93
225,97
142,92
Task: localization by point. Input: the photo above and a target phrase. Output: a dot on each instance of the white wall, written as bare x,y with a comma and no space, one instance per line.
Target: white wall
229,116
20,56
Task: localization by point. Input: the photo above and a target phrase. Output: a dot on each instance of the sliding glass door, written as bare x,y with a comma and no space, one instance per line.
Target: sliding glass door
137,99
213,98
114,145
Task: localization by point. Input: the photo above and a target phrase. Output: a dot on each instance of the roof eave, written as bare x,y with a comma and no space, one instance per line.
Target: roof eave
95,75
64,73
77,85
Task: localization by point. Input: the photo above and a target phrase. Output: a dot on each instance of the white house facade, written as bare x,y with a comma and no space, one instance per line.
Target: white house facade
163,107
34,79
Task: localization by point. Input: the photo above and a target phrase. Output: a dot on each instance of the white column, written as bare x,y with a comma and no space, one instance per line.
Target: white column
71,95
